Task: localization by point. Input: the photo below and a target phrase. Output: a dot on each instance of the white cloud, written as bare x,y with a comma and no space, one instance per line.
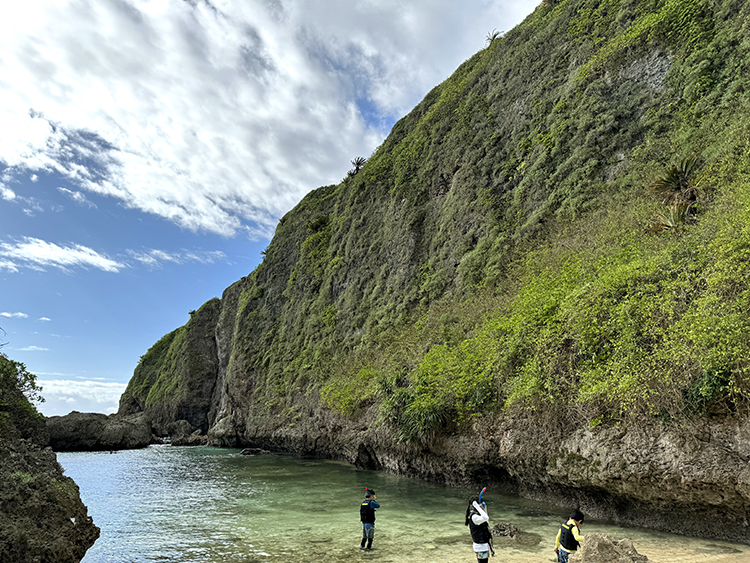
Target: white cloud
6,193
155,258
63,396
8,265
38,254
33,349
44,319
78,197
14,315
219,116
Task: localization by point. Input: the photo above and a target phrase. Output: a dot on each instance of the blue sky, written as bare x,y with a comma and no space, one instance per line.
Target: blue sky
148,149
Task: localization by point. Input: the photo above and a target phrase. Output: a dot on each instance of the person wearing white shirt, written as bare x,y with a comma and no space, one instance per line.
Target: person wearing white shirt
478,522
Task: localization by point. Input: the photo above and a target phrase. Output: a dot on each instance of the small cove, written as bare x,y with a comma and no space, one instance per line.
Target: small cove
190,505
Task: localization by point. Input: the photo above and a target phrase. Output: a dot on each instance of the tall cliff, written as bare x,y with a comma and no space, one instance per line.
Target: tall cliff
539,280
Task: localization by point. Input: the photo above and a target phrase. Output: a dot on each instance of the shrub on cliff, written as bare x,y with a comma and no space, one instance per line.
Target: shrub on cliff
18,389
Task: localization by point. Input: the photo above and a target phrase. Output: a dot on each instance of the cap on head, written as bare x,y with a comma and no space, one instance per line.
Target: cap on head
369,493
576,515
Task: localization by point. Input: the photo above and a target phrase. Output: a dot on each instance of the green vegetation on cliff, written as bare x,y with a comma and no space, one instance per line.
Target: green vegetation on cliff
175,378
528,237
18,416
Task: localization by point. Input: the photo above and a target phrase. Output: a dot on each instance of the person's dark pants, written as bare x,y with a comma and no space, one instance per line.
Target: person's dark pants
368,533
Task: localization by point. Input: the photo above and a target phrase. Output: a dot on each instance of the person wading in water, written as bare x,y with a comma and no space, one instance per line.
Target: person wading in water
477,521
367,516
569,537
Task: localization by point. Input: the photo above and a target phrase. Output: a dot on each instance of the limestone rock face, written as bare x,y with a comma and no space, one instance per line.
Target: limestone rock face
679,478
42,518
598,548
79,431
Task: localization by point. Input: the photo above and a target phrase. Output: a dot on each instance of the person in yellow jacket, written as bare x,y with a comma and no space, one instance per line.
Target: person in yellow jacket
569,537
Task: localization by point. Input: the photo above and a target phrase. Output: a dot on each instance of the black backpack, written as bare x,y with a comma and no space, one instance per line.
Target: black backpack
366,513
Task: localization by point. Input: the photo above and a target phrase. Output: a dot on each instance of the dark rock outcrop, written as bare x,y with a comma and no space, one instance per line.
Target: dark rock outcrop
79,431
194,439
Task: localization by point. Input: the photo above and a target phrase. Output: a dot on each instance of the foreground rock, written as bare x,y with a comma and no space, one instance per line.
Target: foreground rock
598,548
79,431
42,518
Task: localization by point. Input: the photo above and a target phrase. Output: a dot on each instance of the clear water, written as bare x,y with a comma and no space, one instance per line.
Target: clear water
190,505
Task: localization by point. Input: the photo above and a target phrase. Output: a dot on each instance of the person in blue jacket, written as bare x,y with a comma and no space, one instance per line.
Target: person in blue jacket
367,516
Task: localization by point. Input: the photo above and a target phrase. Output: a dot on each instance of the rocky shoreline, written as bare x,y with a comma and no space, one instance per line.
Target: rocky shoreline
690,479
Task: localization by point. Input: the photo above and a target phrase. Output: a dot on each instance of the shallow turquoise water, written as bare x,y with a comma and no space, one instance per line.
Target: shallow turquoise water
174,504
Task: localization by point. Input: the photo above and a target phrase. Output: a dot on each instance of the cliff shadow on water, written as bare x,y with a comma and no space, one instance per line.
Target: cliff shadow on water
538,279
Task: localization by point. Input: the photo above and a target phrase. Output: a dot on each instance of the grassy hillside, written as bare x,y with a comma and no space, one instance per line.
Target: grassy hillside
560,225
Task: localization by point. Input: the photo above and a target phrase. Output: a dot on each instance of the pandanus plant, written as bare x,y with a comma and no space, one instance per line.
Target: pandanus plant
492,36
676,187
358,163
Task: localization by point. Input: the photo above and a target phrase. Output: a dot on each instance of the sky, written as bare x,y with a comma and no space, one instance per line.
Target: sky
148,148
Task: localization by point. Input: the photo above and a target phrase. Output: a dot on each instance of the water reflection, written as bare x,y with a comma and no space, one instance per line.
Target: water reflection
208,505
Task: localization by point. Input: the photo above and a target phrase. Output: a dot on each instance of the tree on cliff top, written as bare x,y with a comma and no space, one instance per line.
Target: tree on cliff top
18,390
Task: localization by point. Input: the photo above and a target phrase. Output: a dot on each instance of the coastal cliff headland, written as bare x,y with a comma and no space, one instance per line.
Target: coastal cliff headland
539,280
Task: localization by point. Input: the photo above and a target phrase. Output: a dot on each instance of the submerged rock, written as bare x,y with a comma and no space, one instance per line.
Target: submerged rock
506,530
254,451
503,532
599,548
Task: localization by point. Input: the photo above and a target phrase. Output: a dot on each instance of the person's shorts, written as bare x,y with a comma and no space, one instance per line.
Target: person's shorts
482,554
368,530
